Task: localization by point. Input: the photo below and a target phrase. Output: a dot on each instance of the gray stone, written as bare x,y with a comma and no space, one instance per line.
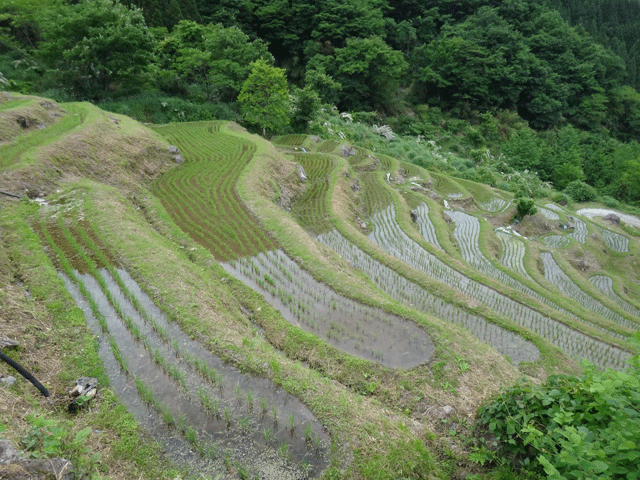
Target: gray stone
179,159
613,218
8,381
447,410
17,468
173,149
348,152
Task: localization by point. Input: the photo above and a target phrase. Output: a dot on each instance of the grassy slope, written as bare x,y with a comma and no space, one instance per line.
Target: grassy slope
377,416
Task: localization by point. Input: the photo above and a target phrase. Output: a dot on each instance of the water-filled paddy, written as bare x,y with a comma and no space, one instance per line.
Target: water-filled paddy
354,328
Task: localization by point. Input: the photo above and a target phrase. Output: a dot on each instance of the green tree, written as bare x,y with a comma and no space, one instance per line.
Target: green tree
305,107
369,71
97,48
212,57
524,207
264,98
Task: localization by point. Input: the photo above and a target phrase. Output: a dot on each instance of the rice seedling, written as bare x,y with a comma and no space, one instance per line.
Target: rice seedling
267,434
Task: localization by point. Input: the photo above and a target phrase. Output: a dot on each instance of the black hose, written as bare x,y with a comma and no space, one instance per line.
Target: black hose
25,374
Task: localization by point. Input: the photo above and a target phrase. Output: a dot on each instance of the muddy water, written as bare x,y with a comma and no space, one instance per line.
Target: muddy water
242,436
352,327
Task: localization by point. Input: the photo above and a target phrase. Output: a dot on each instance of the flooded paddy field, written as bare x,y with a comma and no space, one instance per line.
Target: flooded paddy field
354,328
205,413
556,275
467,234
605,285
387,233
399,288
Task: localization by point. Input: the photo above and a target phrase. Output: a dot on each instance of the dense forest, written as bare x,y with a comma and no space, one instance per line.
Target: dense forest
543,88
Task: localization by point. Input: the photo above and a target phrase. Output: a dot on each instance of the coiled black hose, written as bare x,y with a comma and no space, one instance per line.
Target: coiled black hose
24,373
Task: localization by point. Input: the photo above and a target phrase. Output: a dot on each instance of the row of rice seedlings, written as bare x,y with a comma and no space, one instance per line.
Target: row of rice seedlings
376,196
293,140
327,146
513,251
446,186
399,288
386,162
352,327
393,240
199,365
316,166
553,206
549,214
310,208
412,170
134,328
556,241
580,231
238,415
425,225
495,205
206,449
615,241
605,285
560,279
467,234
201,194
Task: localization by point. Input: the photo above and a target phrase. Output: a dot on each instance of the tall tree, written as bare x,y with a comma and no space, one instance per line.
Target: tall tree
212,57
264,98
97,48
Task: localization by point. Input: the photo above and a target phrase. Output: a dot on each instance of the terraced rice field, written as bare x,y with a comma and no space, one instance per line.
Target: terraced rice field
467,234
354,328
293,140
495,205
411,170
310,208
399,288
207,414
615,241
556,241
513,251
12,152
376,196
200,195
556,275
387,233
605,285
548,214
580,231
427,230
446,187
327,146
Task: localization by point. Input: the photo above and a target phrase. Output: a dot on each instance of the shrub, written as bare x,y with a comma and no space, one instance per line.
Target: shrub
570,427
580,191
560,198
525,206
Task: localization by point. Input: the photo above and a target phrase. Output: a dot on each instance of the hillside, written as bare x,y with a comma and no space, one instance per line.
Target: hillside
303,308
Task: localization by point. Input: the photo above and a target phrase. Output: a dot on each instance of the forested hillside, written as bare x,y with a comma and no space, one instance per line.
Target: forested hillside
613,23
511,78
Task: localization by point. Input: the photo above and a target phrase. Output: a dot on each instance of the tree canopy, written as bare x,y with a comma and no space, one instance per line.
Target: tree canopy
96,47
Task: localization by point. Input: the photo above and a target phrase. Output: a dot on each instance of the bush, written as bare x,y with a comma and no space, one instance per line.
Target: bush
580,191
570,427
560,199
524,206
